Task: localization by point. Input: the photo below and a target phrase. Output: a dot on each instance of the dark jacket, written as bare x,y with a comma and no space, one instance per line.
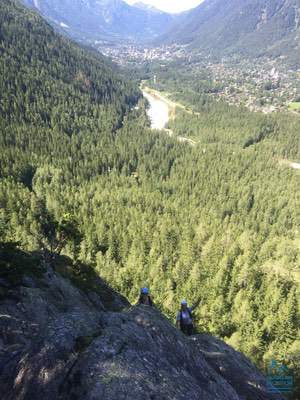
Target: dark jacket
142,301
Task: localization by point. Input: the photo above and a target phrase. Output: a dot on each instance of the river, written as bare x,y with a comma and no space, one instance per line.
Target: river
158,112
295,165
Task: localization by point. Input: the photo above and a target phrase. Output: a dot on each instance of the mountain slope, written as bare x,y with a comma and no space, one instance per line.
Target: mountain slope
60,341
54,97
220,224
91,20
247,27
51,82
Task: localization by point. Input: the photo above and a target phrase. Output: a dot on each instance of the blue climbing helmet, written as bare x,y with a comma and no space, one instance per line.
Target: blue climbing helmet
145,290
184,302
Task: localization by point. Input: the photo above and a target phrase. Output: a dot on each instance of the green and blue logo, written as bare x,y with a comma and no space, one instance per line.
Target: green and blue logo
279,378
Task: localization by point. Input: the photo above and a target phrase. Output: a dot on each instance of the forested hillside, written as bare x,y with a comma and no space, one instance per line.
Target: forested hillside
245,28
218,221
52,90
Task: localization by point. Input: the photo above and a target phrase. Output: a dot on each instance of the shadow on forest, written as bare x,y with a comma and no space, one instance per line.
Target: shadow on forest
17,265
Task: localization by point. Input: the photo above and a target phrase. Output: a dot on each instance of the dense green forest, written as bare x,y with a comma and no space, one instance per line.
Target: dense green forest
83,175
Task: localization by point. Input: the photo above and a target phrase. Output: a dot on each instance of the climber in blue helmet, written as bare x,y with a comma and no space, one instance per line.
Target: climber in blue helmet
185,319
145,297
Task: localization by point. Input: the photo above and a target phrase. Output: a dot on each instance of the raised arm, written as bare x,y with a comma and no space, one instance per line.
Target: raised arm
195,305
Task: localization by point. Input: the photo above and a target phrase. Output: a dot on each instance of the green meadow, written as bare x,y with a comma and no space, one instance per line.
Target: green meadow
294,106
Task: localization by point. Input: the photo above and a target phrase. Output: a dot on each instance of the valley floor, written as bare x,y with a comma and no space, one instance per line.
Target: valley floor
161,110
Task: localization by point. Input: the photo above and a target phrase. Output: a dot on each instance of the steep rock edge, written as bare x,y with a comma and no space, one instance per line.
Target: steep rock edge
60,341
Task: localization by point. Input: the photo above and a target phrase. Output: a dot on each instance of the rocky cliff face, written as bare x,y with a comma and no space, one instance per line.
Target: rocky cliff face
58,341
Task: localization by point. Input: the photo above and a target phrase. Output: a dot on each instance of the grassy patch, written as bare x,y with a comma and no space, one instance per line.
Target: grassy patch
294,106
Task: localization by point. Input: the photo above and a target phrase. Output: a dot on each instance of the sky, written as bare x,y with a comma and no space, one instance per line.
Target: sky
170,5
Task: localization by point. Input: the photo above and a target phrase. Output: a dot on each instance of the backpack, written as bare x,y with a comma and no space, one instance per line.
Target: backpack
190,314
140,301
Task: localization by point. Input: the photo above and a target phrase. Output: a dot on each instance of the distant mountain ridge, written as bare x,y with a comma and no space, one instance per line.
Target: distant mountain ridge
148,7
245,27
112,20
